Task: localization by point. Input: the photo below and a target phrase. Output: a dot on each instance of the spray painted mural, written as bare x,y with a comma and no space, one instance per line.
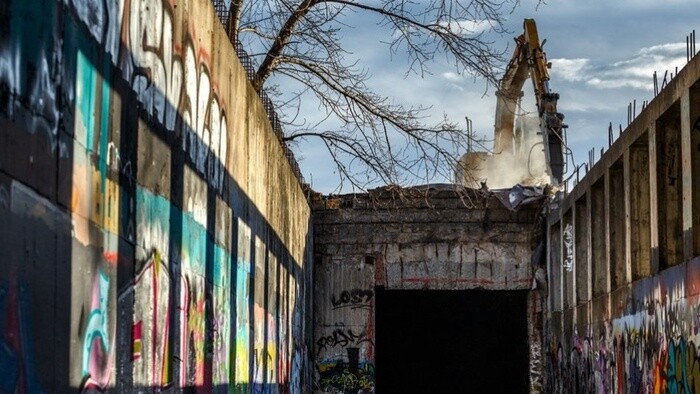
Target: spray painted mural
648,345
132,245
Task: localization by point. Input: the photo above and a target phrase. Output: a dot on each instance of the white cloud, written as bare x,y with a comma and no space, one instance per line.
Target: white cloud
469,27
635,72
569,69
451,76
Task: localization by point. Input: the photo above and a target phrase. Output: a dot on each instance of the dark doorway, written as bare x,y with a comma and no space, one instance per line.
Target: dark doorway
451,341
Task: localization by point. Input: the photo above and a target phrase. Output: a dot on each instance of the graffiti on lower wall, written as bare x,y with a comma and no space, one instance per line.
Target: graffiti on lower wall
243,279
221,342
192,292
151,330
261,356
651,350
338,376
343,333
98,100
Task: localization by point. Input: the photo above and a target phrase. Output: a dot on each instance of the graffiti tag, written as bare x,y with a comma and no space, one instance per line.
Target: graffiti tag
355,298
343,338
569,248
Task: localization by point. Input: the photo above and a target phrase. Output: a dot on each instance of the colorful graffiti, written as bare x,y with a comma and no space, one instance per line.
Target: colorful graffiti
168,79
101,80
653,350
98,357
221,317
151,331
95,201
192,294
262,357
339,377
28,65
243,278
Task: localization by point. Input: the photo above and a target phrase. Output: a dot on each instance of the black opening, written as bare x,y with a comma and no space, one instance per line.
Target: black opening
451,341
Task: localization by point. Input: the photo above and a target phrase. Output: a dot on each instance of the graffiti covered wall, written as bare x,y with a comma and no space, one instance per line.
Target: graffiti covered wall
623,306
153,234
647,342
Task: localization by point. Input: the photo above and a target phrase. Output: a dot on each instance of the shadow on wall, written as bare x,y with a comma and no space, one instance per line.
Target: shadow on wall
131,259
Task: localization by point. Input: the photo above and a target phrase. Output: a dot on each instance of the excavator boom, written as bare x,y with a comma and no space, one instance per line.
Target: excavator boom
530,60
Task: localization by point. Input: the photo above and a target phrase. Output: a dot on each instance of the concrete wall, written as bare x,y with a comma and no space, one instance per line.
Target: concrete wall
623,313
414,239
152,233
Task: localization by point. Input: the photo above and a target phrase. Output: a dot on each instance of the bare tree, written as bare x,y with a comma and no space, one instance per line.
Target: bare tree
372,138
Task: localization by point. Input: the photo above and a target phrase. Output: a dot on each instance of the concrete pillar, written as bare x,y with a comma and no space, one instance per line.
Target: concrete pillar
551,286
607,231
687,176
582,238
568,259
598,250
638,228
653,199
615,184
669,187
556,283
627,225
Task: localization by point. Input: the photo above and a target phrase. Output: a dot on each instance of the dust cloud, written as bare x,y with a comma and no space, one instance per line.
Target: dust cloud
525,165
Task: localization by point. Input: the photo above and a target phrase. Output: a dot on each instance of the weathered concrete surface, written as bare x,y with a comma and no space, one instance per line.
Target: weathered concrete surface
423,238
153,233
633,324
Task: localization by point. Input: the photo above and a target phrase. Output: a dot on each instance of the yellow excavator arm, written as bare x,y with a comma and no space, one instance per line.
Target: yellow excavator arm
530,60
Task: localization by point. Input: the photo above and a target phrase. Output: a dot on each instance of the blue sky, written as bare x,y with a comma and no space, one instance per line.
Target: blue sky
603,55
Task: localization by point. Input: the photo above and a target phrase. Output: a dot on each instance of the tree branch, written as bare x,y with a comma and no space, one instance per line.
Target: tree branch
280,42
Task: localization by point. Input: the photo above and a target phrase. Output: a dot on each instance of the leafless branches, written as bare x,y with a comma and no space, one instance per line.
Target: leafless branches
372,138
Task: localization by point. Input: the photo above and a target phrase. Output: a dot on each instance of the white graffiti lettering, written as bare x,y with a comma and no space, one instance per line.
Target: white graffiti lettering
569,248
164,83
145,33
115,14
91,12
9,70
